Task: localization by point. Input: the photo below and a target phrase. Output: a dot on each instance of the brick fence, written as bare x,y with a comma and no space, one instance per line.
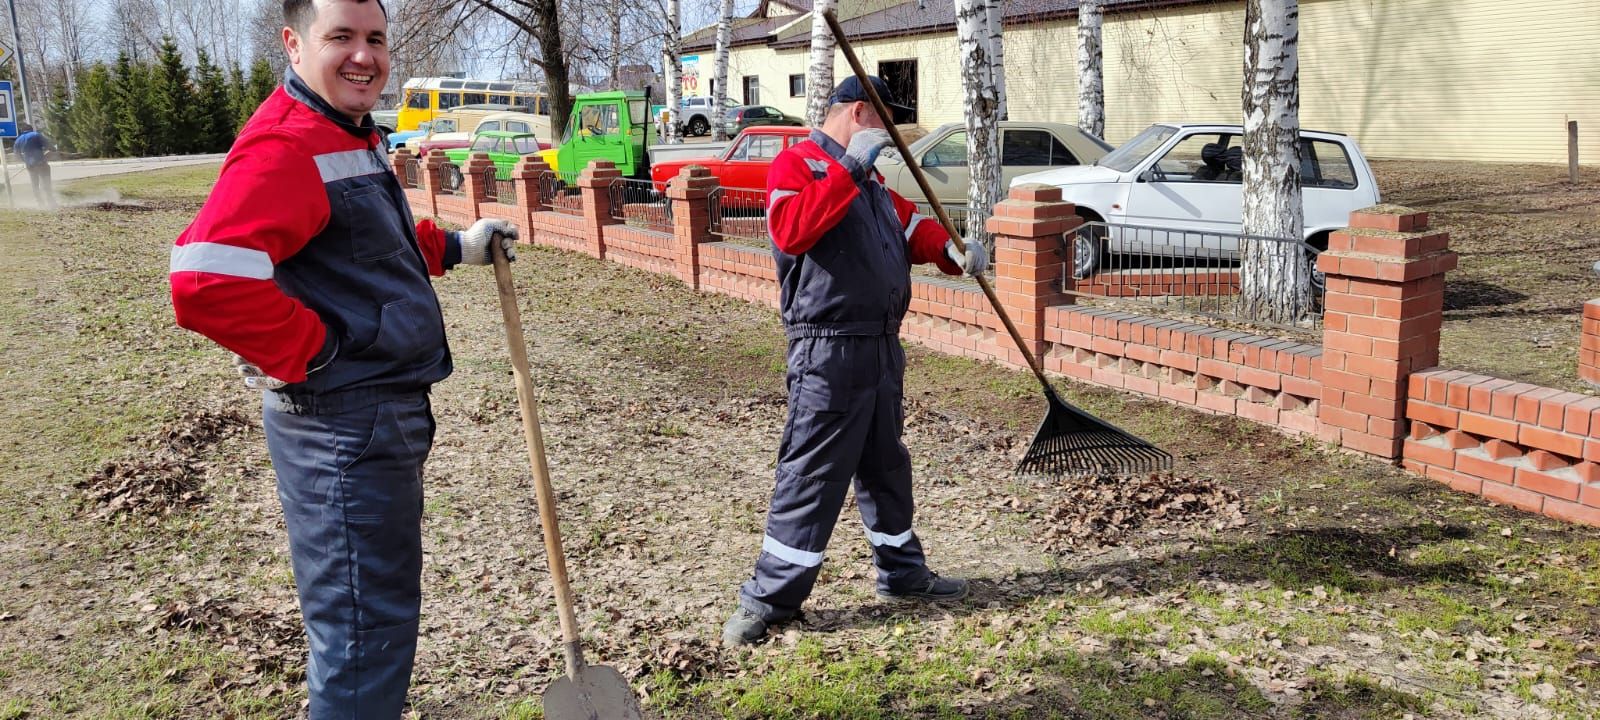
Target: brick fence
1370,385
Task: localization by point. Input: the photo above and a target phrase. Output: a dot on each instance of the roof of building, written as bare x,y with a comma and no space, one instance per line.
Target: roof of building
872,19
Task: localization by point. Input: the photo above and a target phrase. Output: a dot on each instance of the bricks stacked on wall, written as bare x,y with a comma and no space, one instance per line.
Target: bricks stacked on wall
1268,380
743,272
1383,312
1589,344
953,317
1522,445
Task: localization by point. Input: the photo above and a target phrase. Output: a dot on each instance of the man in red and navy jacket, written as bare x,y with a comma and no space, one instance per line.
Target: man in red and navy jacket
305,262
844,245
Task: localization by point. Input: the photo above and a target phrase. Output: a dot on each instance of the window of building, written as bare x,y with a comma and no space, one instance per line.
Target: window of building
797,86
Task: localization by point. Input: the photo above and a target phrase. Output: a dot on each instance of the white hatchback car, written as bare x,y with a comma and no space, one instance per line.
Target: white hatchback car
1176,189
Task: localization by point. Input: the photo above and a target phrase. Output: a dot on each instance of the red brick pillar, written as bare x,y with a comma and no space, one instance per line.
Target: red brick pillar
1383,310
593,184
398,161
431,177
1030,263
689,194
475,182
525,176
1589,344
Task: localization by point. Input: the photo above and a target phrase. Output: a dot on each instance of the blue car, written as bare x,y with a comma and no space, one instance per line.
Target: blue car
398,140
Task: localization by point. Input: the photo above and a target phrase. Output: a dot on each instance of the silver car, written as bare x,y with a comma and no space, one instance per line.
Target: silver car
1025,147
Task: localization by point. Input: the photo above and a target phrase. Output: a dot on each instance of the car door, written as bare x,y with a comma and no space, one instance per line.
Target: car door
1188,200
1029,150
944,164
598,137
775,116
1329,186
749,168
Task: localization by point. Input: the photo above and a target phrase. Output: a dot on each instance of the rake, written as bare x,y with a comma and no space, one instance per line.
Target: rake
1070,442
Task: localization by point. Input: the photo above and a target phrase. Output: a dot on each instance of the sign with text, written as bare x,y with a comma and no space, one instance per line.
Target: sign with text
8,115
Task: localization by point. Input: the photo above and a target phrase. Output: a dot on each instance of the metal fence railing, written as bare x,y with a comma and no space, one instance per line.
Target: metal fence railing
491,189
560,192
1204,273
957,213
409,175
501,190
450,179
639,203
739,214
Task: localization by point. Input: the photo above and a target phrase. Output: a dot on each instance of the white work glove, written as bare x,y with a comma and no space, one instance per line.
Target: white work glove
974,262
253,377
863,152
475,241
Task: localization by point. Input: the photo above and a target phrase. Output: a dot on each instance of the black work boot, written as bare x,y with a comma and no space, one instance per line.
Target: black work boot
745,627
934,589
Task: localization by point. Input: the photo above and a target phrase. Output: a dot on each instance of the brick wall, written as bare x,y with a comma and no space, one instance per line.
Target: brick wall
1589,344
1368,386
1531,447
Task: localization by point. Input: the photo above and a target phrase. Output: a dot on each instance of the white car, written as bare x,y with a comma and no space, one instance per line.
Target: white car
1176,190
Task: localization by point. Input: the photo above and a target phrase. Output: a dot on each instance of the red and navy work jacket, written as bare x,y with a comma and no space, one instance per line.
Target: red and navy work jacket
305,257
843,249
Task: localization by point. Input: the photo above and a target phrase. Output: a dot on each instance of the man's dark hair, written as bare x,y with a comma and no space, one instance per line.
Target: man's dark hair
24,128
298,14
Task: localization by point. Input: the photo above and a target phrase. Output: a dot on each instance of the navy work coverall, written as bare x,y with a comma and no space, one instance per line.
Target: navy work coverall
306,262
843,253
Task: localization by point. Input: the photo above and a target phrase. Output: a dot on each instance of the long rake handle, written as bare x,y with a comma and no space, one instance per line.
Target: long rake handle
927,191
536,458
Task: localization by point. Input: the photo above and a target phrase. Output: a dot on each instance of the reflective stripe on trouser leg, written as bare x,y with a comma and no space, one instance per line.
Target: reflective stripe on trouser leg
883,484
351,489
819,453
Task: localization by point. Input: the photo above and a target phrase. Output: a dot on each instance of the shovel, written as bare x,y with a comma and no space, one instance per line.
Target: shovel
588,692
1070,442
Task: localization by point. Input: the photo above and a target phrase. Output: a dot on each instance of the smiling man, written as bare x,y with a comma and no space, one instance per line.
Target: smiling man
305,262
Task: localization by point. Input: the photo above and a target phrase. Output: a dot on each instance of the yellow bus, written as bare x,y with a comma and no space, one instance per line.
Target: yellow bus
420,98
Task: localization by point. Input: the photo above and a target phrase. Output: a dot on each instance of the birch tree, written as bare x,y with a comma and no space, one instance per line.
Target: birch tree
1274,277
819,76
1091,78
674,71
719,95
994,17
982,106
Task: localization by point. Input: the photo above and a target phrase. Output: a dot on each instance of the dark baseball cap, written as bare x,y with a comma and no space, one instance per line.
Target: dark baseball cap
851,90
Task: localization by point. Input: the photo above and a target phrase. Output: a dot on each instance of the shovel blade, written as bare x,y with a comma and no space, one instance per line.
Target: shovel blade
598,693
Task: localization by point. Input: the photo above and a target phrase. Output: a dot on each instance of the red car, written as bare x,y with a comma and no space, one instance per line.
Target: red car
744,164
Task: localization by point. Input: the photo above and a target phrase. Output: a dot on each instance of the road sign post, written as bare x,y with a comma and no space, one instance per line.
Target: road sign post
8,129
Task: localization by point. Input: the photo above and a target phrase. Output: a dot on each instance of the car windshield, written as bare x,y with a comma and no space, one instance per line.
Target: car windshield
1125,158
484,143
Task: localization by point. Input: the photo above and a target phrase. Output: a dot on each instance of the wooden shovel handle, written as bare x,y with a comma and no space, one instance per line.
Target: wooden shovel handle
927,190
536,458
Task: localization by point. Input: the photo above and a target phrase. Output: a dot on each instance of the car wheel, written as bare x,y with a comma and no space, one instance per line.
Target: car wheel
699,126
455,179
1088,251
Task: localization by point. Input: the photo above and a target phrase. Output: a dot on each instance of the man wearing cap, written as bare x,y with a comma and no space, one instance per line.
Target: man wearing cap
844,245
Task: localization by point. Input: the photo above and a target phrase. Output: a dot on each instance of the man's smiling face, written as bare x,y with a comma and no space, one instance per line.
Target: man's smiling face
342,54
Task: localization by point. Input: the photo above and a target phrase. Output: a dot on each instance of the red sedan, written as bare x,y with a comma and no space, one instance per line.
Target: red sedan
744,164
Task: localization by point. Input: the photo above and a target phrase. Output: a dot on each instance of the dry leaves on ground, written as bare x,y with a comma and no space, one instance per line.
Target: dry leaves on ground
1106,511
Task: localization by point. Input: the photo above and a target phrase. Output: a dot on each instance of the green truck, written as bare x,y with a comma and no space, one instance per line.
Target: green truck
612,125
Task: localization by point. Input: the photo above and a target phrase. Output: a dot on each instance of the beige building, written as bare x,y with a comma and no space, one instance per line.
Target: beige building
1485,80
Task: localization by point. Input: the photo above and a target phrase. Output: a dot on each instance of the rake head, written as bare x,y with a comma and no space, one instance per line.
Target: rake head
1073,443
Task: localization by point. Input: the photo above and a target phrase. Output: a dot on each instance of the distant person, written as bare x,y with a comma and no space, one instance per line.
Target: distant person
32,145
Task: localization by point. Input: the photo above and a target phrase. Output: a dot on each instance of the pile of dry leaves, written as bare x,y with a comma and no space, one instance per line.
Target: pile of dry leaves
163,476
1105,511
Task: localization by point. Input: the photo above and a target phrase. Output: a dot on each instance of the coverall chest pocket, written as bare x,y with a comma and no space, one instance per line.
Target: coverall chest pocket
372,224
827,374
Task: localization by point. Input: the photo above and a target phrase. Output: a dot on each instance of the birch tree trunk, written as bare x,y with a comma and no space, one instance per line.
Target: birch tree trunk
982,110
616,44
1274,277
674,72
1091,80
719,131
819,78
995,14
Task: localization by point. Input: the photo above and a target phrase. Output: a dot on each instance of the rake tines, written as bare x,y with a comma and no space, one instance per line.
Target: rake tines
1073,443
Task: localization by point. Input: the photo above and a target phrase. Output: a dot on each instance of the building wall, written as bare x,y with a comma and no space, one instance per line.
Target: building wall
1491,80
